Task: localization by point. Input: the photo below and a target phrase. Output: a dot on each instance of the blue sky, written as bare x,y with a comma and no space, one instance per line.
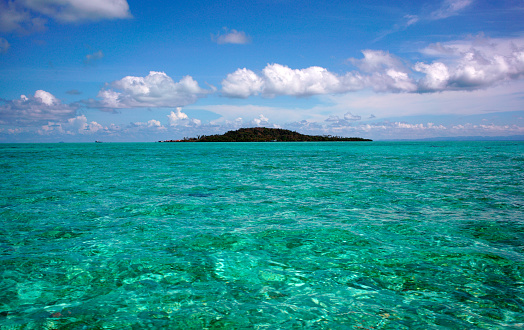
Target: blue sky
74,70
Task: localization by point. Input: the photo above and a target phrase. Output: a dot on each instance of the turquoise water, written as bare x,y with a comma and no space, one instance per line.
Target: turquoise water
330,235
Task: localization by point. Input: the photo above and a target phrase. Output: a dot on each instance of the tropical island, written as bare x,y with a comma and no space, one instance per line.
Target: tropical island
264,134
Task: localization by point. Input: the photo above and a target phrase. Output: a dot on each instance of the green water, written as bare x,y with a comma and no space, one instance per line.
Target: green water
330,235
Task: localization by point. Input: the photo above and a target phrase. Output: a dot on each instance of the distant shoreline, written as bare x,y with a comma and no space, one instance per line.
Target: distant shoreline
263,134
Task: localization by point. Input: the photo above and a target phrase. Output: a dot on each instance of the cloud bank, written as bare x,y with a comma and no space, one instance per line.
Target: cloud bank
73,126
476,64
40,108
433,85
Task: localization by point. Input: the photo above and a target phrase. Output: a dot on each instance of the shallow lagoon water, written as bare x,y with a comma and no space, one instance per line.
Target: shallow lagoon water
329,235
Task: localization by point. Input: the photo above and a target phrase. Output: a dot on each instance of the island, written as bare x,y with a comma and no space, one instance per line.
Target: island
264,134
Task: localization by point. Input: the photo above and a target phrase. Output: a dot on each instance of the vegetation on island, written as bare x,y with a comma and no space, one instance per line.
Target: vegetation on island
264,134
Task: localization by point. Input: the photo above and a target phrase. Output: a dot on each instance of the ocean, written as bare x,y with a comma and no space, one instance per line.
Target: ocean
283,235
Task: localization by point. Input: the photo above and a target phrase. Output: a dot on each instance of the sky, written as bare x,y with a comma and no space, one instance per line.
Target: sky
130,71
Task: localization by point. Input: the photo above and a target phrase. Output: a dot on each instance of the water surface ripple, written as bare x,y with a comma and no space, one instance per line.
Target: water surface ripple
330,235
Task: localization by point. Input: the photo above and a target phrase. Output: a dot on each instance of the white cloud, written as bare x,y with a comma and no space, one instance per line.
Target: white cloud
507,97
348,118
391,81
231,37
17,130
381,72
41,107
377,60
472,64
437,75
154,90
260,121
195,122
385,72
44,98
405,130
79,10
152,124
281,80
242,83
223,125
4,46
28,16
351,117
72,126
175,118
333,118
487,130
450,8
463,65
277,79
180,119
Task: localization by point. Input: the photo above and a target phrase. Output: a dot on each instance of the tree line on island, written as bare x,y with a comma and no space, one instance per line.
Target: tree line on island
264,134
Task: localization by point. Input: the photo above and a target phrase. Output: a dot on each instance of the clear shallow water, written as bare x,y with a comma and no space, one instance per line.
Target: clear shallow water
262,235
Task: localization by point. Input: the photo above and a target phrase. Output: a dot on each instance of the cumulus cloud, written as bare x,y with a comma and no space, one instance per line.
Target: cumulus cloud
179,119
381,72
377,60
154,90
476,64
281,80
231,37
260,121
277,79
437,75
150,124
41,107
391,81
385,72
175,118
28,16
462,65
242,83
